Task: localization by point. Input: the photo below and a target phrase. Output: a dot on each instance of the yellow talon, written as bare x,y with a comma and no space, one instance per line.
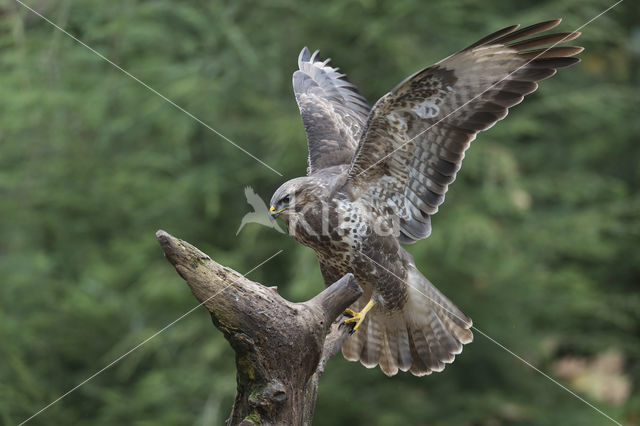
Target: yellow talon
350,312
358,317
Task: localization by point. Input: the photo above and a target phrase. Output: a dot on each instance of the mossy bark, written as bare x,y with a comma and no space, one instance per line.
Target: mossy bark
281,347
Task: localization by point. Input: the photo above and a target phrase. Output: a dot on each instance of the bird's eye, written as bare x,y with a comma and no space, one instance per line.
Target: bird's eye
285,200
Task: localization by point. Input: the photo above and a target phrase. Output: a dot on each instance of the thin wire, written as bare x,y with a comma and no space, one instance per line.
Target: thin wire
544,374
489,88
497,343
275,171
115,361
101,56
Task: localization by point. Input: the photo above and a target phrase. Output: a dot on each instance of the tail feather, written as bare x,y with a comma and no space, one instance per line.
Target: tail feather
421,338
370,352
461,332
434,354
424,362
387,364
398,340
448,345
404,349
419,367
352,347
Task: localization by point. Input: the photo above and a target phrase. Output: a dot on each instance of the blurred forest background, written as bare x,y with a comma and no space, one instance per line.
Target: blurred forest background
538,240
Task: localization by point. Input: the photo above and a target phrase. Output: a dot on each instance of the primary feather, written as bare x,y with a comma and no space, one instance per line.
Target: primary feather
418,133
332,111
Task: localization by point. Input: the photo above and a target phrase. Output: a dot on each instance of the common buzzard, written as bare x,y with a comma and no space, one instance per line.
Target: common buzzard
376,175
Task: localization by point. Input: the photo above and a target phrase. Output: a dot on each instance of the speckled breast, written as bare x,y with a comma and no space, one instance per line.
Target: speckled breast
347,236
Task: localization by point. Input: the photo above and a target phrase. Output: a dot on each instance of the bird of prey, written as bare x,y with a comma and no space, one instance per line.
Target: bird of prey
376,175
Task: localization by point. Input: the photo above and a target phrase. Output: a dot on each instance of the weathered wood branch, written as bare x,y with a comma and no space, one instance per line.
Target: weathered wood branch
281,347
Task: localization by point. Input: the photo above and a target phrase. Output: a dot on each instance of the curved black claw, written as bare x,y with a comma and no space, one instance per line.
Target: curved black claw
349,314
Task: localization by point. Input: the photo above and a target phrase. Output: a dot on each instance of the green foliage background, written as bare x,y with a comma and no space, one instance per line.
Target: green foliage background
538,240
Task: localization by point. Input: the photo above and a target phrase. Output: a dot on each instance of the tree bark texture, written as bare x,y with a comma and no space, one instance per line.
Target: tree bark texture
281,347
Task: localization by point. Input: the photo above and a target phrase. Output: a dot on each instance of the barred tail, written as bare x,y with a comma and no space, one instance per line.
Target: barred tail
424,336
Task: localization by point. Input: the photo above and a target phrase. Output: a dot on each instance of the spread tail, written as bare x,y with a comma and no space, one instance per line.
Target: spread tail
422,337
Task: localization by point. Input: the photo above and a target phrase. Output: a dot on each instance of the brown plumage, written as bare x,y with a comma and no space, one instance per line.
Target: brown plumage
376,176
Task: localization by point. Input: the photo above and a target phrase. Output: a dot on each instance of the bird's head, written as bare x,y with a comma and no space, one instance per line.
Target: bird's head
292,196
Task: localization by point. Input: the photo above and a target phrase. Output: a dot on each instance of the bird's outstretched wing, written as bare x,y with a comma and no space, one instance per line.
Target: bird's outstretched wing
417,133
333,112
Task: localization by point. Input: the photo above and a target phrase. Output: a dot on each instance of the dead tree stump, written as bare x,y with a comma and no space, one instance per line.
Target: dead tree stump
281,347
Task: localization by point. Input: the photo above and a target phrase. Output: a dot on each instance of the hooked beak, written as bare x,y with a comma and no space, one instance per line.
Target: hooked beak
273,213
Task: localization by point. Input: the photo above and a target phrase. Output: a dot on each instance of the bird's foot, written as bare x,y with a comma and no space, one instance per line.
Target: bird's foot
357,318
350,313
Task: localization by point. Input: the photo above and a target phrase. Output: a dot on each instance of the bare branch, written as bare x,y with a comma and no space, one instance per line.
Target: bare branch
281,347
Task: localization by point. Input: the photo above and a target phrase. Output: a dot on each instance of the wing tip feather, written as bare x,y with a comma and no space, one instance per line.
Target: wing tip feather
304,56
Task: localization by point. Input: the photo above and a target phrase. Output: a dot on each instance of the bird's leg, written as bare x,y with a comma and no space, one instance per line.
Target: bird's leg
358,317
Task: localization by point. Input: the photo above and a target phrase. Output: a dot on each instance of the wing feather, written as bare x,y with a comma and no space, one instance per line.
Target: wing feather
333,112
417,134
